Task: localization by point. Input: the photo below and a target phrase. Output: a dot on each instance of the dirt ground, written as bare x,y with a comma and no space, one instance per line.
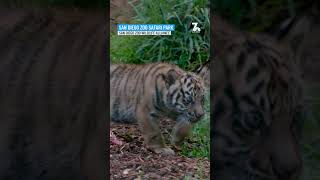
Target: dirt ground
132,160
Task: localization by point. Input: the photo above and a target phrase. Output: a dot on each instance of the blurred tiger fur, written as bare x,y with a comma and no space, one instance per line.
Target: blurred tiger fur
302,34
147,93
257,106
52,94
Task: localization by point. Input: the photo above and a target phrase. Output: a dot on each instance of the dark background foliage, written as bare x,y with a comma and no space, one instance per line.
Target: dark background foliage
60,3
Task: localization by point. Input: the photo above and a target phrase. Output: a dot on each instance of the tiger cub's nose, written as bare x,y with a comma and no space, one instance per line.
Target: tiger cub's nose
199,114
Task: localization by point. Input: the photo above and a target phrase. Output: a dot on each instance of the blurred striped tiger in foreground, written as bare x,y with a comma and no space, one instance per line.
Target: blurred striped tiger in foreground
147,93
302,33
52,94
257,107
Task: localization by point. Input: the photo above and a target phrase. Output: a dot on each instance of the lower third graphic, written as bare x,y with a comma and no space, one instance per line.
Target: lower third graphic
145,29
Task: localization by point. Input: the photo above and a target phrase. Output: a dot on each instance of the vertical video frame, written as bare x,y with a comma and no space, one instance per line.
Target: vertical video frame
159,89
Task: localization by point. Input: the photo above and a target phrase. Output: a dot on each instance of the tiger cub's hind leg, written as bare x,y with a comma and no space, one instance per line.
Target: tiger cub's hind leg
151,132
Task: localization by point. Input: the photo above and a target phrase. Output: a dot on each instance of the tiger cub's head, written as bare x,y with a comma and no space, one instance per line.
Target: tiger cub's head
185,95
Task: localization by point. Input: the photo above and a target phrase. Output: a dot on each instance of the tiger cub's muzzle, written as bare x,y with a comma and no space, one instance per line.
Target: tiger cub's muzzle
195,115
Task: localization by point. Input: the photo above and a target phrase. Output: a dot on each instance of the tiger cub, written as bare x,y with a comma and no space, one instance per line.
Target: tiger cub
147,93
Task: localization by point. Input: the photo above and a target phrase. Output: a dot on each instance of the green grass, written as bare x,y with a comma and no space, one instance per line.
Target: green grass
187,50
121,53
198,144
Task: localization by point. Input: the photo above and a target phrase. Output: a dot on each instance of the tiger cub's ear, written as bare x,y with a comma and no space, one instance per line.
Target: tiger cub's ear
171,77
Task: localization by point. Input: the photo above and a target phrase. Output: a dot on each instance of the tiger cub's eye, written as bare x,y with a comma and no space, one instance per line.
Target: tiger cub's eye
189,100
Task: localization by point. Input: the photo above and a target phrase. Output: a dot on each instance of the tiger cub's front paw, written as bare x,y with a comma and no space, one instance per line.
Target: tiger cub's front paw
180,131
164,151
